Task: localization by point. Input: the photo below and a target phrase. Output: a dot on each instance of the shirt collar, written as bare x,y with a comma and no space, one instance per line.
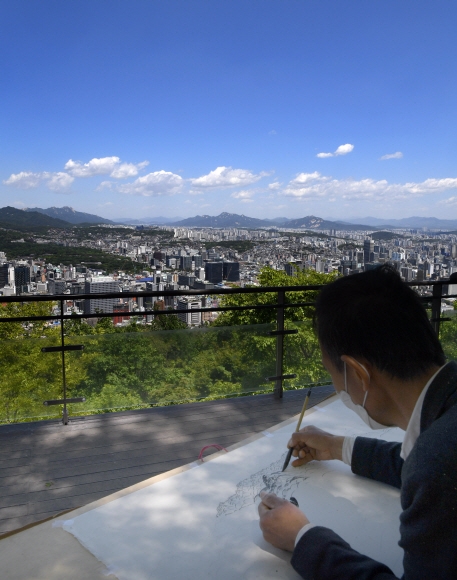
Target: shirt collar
413,428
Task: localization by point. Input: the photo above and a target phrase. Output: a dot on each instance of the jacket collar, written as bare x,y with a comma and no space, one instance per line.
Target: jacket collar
441,395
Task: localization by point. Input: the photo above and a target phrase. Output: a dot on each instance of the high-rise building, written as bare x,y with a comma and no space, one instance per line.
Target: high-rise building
291,268
406,273
186,262
190,318
6,275
21,278
159,255
186,280
213,272
231,271
368,247
203,285
57,286
99,285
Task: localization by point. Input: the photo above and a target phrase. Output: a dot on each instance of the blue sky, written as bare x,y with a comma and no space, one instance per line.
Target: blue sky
269,108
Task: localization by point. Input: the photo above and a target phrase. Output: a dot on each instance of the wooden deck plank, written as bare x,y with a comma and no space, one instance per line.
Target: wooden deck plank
46,467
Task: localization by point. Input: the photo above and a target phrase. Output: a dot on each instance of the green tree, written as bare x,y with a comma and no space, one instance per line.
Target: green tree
301,351
269,277
166,321
29,375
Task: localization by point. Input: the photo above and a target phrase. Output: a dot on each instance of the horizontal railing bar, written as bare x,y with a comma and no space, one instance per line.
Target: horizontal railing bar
283,332
157,312
148,312
158,293
192,292
281,377
62,401
62,348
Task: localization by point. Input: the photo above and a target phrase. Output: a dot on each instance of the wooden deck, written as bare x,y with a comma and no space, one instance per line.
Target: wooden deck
47,468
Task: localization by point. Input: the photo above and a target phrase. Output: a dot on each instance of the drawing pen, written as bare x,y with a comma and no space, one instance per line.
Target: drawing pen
289,453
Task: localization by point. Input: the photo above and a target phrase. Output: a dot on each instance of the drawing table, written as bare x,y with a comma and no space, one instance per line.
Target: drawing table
199,518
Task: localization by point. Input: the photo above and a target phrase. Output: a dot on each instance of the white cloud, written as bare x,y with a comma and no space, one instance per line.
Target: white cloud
128,170
245,196
397,155
105,185
275,186
226,177
111,166
452,201
59,181
96,166
154,184
341,150
316,186
24,180
344,149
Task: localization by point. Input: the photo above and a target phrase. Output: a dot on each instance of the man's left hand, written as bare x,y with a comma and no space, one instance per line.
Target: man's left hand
280,521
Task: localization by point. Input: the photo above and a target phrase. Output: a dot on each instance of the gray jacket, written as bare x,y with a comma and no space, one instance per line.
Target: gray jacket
428,484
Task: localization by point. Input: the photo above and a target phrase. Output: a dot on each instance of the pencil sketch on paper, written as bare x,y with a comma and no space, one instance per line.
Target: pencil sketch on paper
270,479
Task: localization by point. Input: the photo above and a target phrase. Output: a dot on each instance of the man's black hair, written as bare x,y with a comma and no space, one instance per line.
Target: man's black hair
376,316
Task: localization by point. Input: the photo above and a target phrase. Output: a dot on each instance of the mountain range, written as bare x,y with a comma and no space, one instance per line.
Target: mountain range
410,222
233,220
11,217
66,216
70,215
156,221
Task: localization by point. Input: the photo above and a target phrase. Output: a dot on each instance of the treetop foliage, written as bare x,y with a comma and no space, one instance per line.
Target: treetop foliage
270,277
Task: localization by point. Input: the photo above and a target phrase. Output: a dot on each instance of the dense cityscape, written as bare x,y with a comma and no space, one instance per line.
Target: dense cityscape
176,258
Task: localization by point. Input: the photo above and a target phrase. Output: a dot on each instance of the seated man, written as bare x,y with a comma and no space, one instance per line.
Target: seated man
388,366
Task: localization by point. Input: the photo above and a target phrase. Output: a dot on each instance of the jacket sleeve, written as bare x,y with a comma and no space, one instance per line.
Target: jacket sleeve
323,555
379,460
429,501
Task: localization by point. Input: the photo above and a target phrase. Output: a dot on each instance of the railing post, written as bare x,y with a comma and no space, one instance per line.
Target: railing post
64,381
279,344
436,308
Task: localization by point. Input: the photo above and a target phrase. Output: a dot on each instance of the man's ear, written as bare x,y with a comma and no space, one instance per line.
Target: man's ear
359,369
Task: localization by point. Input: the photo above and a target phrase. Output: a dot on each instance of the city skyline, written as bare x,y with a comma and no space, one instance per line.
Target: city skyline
265,108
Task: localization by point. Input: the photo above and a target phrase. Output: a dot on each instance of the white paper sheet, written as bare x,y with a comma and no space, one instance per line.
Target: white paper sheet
203,523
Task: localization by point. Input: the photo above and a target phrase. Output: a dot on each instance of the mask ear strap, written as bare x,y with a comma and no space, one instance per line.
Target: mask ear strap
345,378
364,399
365,369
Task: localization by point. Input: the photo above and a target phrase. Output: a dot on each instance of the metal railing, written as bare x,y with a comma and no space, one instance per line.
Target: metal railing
281,303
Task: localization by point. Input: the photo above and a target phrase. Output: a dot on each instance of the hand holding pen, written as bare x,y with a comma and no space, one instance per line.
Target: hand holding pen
297,429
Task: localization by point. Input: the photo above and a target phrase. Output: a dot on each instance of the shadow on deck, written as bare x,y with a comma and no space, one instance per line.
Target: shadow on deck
47,468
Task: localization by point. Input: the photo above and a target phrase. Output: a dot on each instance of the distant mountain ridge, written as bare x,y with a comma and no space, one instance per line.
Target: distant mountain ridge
410,222
66,216
223,220
160,220
233,220
70,215
11,217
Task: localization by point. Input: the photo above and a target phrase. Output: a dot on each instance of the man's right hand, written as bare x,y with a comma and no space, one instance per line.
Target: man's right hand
312,443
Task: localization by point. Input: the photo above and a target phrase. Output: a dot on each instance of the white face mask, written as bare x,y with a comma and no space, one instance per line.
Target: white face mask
359,409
